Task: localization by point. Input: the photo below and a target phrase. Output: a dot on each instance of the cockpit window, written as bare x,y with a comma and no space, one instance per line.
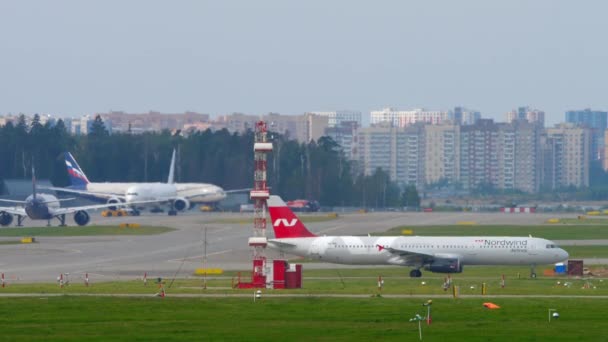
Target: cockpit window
132,194
552,246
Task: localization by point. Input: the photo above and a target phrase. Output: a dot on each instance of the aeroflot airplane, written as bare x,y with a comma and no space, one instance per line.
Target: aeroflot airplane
40,206
443,254
178,195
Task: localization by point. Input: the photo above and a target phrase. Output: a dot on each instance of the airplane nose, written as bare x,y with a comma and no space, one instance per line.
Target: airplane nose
564,254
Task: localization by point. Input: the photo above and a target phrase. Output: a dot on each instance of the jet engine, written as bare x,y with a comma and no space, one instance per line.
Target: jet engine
81,217
448,265
5,218
114,200
181,204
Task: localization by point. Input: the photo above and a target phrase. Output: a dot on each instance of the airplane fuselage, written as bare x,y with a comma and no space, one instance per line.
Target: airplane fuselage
42,207
363,250
195,192
148,192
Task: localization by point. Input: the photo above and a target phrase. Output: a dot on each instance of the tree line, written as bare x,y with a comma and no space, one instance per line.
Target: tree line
316,170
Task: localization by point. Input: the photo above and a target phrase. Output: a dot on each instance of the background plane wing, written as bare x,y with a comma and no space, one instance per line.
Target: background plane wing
88,193
11,201
14,211
69,210
237,190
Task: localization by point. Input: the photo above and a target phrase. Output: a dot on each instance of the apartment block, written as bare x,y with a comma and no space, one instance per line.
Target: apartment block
303,128
534,116
397,118
596,121
336,118
479,155
464,116
346,135
397,151
566,153
442,153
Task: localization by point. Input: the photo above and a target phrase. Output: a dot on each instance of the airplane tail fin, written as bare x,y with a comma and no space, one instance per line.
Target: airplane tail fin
77,177
33,181
171,178
284,222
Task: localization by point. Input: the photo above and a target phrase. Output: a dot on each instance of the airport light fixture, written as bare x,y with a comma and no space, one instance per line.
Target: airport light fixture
418,319
428,311
553,313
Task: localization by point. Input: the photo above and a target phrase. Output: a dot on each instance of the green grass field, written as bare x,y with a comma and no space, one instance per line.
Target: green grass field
362,281
589,220
579,252
69,318
547,231
82,231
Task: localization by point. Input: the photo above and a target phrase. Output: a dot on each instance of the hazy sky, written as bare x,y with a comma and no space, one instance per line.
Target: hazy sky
219,57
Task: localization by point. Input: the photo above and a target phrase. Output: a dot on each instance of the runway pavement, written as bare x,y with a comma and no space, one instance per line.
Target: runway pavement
179,252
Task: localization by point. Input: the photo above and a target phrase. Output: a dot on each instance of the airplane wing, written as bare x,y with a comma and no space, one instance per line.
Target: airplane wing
61,200
11,201
409,258
89,193
237,190
69,210
281,244
14,211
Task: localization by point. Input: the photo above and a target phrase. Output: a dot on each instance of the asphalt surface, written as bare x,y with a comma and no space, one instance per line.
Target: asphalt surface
179,252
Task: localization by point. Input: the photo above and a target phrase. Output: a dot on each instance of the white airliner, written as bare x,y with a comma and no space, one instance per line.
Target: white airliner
39,206
178,196
443,254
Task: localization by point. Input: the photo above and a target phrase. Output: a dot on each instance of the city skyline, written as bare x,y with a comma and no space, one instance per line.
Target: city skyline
218,58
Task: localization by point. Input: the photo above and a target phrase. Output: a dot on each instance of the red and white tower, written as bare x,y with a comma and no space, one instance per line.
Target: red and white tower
259,195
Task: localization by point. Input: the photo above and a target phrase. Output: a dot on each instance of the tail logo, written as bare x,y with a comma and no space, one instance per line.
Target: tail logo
285,222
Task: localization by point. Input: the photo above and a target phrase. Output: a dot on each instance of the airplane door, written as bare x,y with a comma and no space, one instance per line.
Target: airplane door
331,253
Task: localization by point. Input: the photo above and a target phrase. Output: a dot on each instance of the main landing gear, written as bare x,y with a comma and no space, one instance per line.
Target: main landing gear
61,219
533,271
415,273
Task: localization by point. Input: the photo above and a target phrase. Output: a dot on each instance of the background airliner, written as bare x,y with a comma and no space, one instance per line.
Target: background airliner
443,254
40,206
178,196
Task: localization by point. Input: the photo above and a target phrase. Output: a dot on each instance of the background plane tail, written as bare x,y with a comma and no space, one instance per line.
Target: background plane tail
284,222
171,178
77,177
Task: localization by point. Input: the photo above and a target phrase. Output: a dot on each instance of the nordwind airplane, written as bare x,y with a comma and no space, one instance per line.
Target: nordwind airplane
179,196
40,206
442,254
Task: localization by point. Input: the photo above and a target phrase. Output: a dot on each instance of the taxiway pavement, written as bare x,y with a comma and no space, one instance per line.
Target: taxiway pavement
178,253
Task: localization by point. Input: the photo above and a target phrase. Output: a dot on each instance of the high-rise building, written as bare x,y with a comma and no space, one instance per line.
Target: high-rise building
478,155
346,135
397,118
397,151
442,153
464,116
339,116
566,154
503,156
303,127
534,116
151,121
596,121
519,161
